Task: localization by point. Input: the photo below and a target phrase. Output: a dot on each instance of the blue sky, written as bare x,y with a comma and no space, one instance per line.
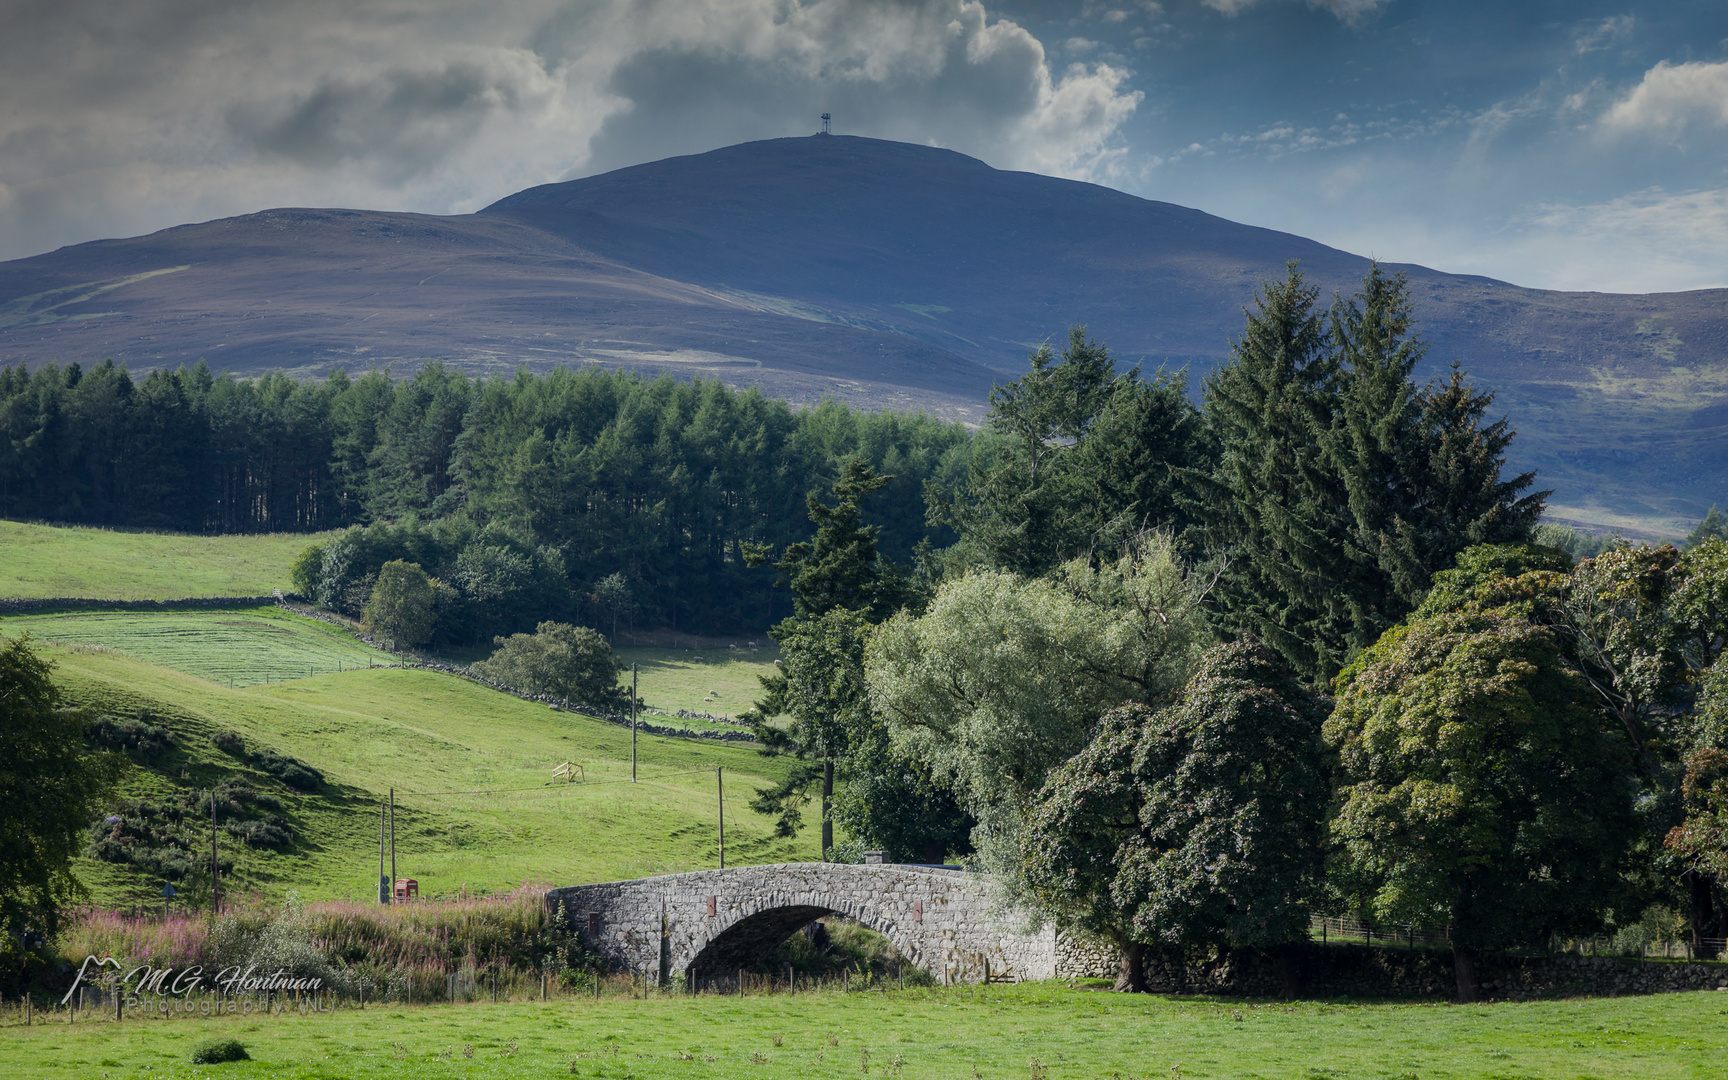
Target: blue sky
1578,145
1478,137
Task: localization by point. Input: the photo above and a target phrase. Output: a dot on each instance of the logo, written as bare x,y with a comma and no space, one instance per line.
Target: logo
174,988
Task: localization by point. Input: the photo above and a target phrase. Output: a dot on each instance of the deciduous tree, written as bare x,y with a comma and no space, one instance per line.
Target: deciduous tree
51,788
1482,785
400,607
569,662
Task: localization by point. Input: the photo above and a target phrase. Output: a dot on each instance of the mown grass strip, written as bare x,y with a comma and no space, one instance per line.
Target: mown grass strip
58,560
234,648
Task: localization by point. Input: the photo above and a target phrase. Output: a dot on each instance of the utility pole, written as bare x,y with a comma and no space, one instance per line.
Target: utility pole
215,867
392,845
632,723
720,797
383,882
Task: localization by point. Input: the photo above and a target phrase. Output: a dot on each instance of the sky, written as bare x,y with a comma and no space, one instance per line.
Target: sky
1575,145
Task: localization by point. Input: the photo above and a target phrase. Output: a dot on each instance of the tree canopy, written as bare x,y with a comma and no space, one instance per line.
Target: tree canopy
51,787
563,661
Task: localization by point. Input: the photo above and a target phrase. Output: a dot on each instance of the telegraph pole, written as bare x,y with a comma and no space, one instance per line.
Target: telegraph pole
383,890
215,867
720,797
392,845
632,723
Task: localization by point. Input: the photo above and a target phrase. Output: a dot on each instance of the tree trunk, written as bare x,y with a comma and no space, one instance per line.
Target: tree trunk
1285,963
934,852
1464,967
827,799
1703,913
1131,968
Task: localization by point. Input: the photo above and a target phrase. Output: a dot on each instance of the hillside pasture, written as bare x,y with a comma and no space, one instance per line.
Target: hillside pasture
234,647
476,808
43,561
722,680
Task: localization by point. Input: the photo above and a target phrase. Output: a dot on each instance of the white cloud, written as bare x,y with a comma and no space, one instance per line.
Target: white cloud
1648,240
126,118
1671,97
1603,34
1348,11
1651,241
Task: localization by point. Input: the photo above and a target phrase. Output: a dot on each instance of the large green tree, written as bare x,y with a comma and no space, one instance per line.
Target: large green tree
1003,678
1343,486
51,788
1482,786
1198,824
400,607
841,587
1078,456
574,663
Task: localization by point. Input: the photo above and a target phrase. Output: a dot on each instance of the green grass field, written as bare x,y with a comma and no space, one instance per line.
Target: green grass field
1047,1031
721,681
239,648
52,560
471,768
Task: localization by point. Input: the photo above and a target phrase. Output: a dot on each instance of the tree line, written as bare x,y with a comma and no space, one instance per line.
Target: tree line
520,494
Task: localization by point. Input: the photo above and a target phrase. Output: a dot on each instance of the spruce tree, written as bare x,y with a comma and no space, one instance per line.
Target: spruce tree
1344,487
1273,508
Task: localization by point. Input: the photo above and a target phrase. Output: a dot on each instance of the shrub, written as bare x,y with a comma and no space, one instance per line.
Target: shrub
269,831
231,743
291,771
133,737
217,1051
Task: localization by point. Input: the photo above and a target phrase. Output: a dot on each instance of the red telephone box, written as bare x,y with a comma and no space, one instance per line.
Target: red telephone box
407,889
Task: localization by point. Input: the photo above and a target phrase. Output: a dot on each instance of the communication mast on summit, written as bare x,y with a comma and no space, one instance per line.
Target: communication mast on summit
827,124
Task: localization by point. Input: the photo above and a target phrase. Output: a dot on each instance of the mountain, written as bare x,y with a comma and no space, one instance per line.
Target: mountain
889,274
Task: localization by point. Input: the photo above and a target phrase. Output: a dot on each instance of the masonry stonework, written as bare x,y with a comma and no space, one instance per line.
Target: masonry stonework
708,924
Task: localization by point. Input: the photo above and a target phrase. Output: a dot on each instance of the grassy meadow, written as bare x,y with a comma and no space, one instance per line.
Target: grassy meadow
1037,1031
721,681
236,647
39,561
475,808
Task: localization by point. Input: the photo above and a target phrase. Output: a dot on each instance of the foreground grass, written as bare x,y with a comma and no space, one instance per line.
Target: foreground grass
238,648
1034,1030
53,560
471,770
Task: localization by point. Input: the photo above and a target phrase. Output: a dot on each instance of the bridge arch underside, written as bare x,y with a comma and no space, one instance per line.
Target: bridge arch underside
746,942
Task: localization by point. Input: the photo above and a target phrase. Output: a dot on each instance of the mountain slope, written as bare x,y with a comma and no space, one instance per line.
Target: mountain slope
889,274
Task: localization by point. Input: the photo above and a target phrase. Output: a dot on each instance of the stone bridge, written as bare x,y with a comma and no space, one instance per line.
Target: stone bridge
711,923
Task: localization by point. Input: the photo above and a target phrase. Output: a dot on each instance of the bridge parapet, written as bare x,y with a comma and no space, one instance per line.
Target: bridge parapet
710,923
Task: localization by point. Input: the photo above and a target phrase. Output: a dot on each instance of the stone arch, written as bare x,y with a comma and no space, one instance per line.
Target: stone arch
755,933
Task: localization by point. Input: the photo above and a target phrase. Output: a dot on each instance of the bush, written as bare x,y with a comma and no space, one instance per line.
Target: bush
291,771
269,831
217,1051
133,737
230,743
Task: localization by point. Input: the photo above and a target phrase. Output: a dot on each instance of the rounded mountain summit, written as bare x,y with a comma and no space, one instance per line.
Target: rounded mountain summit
888,274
